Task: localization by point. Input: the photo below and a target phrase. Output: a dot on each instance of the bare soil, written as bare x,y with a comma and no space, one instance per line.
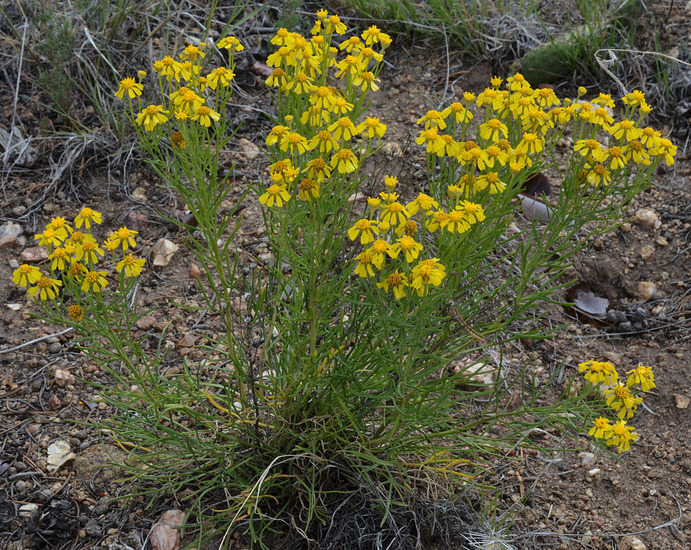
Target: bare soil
585,499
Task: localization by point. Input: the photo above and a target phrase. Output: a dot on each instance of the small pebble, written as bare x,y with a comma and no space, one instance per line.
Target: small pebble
54,348
594,472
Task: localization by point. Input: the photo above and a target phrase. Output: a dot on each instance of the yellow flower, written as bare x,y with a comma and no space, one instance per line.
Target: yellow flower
178,140
599,175
601,428
597,372
220,76
621,435
459,113
409,246
283,38
397,281
620,398
343,128
531,143
75,312
625,129
283,57
204,115
193,53
350,43
492,129
344,161
334,25
277,79
394,213
427,272
89,251
591,149
372,127
94,280
322,96
50,237
617,157
431,137
379,249
129,86
634,98
294,142
364,268
365,229
641,375
433,119
231,44
87,216
455,221
373,35
421,202
318,169
308,189
124,237
26,275
169,68
58,258
46,288
77,271
666,150
275,194
131,265
366,80
341,106
152,116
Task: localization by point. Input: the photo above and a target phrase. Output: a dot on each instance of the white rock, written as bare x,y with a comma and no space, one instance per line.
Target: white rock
25,510
586,458
163,252
647,252
9,233
594,472
63,377
34,254
165,535
681,401
647,217
475,372
248,149
59,453
139,194
646,291
631,543
14,307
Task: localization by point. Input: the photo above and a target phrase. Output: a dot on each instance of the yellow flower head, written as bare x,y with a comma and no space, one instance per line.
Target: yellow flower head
75,312
397,282
94,281
131,265
365,229
130,87
86,217
46,288
275,195
26,275
641,375
152,116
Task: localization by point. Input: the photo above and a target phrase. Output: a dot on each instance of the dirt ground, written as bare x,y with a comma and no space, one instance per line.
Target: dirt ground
585,499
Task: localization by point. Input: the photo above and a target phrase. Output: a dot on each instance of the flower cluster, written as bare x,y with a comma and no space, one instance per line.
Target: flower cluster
622,398
321,134
521,124
185,91
74,256
396,231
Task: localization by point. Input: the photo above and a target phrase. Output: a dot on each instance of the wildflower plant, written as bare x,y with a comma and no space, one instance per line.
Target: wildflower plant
329,375
87,283
621,398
